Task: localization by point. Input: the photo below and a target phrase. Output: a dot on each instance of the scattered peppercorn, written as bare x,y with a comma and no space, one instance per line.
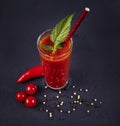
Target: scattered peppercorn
45,96
80,89
64,102
78,97
75,93
61,111
86,90
68,111
46,87
60,92
88,111
92,103
73,86
57,96
95,99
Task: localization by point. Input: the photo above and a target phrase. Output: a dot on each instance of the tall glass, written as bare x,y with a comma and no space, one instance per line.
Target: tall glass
56,67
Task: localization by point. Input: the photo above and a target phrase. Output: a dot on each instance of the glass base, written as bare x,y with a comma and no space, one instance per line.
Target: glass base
57,88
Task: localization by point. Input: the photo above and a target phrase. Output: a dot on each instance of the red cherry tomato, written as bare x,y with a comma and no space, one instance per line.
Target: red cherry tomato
30,101
20,96
31,89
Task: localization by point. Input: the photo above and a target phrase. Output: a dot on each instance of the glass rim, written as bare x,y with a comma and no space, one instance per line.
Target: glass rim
48,56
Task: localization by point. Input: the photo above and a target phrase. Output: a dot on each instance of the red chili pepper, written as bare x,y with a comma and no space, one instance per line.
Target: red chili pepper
36,71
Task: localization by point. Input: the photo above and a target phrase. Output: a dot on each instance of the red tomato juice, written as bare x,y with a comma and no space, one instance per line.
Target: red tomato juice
56,66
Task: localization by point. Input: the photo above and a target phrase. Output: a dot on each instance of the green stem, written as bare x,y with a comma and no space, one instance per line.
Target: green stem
54,49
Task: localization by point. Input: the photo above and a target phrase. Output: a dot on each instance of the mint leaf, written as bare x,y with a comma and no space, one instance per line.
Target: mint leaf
50,48
60,32
59,46
47,48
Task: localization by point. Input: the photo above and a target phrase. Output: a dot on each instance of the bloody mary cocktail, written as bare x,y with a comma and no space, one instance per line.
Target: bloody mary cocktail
56,66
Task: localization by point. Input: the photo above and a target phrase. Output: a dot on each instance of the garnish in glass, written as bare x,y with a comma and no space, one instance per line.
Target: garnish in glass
59,34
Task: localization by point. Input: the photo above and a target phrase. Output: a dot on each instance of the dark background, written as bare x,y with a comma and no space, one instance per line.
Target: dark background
95,62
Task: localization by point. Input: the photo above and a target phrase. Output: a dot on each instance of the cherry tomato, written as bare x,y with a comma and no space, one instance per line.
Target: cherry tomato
20,96
31,89
30,101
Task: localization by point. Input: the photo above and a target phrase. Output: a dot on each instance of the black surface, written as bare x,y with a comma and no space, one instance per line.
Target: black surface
95,62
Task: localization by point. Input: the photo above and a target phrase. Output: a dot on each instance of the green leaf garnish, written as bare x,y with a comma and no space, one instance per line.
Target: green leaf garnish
60,32
59,46
47,48
50,48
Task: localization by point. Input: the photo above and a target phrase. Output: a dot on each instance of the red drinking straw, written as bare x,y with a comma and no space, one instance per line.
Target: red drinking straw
82,16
